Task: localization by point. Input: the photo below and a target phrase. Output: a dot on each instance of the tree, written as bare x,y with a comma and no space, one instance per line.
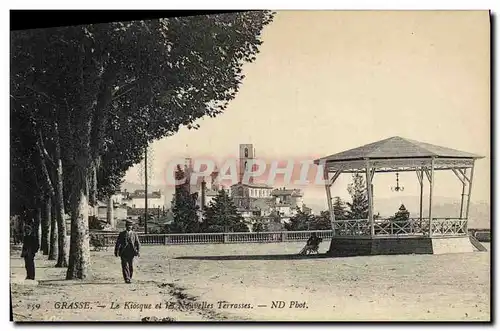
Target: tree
46,220
33,123
358,207
339,209
259,227
184,208
221,215
53,249
275,224
300,221
402,214
259,224
322,221
240,227
28,192
114,88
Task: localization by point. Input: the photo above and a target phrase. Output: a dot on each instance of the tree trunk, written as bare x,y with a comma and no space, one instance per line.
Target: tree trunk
79,251
109,213
53,232
62,260
38,223
93,191
44,246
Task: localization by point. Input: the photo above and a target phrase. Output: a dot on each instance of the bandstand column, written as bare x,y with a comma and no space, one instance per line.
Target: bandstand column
462,176
470,191
420,176
370,198
329,198
431,186
463,194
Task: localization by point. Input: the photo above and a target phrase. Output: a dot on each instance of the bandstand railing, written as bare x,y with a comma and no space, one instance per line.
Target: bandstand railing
352,228
343,228
397,228
108,239
412,226
449,227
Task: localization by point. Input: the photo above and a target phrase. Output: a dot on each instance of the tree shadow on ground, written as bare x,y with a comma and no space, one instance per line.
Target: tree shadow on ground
274,257
72,282
38,267
254,257
64,282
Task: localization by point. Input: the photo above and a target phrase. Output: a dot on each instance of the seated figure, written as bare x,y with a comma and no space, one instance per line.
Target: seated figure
312,245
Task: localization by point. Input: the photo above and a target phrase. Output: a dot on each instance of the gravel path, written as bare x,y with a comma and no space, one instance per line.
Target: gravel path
241,282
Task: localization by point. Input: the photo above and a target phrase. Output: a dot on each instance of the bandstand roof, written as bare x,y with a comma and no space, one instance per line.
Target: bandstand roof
399,152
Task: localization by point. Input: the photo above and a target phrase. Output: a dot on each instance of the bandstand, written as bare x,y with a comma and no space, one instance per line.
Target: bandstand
424,234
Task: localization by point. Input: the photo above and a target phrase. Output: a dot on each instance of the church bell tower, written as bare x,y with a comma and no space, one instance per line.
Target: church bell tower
247,154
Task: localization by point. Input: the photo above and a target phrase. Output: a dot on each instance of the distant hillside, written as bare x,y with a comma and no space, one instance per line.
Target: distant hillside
479,213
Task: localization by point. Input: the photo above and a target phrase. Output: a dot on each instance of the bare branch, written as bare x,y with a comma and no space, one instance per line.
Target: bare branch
43,94
44,150
117,95
127,86
45,172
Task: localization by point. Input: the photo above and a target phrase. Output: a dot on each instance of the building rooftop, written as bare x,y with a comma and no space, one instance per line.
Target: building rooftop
397,147
141,194
262,203
285,191
211,193
253,185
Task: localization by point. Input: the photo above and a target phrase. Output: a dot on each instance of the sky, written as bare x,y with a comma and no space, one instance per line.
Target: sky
328,81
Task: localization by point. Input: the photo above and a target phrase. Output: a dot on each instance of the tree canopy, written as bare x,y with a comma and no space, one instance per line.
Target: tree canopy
340,209
358,207
221,215
402,214
184,208
299,222
101,93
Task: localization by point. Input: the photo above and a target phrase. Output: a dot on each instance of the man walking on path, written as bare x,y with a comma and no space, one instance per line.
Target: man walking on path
29,250
127,247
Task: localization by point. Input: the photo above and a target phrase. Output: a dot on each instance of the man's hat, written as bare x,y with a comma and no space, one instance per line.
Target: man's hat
28,228
129,222
29,223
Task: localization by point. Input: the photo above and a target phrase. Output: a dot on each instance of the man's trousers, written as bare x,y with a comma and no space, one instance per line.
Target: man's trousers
29,264
127,267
